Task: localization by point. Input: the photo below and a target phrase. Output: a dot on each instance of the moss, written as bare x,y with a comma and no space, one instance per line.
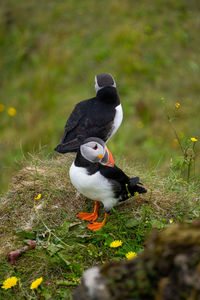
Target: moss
167,269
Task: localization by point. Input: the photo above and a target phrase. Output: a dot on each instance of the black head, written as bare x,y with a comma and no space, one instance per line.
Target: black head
104,80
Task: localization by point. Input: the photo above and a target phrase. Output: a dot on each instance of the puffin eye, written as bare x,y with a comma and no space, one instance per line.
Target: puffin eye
95,147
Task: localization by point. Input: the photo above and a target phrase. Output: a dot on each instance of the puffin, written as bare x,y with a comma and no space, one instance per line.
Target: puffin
100,116
95,180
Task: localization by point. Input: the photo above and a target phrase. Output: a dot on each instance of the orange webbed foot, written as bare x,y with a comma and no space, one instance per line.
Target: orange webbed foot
97,225
88,216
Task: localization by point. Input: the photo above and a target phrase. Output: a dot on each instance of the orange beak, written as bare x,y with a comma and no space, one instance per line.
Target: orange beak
110,162
100,156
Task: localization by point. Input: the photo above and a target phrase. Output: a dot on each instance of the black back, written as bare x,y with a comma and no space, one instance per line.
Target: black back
92,117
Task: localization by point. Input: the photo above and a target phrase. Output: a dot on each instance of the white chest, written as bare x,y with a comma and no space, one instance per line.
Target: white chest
95,187
117,120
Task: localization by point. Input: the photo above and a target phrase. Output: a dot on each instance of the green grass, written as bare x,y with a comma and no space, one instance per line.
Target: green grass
50,53
65,247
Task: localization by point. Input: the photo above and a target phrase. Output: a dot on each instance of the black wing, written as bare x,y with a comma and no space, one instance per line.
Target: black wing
114,173
71,140
74,119
123,185
86,121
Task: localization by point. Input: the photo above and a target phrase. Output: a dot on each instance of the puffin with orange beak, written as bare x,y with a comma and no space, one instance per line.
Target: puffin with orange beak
100,117
94,179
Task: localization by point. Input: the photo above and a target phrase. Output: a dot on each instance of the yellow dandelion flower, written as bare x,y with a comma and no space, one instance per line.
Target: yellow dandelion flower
116,244
131,255
9,282
194,139
2,107
38,197
171,221
177,105
36,283
12,111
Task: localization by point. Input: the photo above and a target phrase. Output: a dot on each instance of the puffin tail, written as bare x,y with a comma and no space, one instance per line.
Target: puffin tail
135,186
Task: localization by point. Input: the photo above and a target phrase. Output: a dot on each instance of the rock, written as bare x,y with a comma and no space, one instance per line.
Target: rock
168,269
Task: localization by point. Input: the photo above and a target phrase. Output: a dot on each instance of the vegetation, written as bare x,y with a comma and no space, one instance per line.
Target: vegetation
64,246
50,53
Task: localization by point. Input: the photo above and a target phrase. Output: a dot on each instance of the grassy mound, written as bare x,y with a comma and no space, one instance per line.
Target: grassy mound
64,246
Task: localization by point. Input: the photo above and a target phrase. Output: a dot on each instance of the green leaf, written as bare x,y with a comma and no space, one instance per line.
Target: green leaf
108,240
46,294
66,282
132,223
25,234
66,227
52,248
63,259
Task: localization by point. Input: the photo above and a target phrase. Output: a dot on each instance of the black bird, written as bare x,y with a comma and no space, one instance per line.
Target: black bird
99,182
100,116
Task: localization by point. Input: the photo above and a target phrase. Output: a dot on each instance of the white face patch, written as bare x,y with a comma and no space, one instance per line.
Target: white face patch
97,87
91,151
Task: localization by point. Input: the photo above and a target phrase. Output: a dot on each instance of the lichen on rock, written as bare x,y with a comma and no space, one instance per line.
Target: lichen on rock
168,269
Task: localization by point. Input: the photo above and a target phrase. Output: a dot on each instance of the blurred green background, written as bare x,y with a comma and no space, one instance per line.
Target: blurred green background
51,50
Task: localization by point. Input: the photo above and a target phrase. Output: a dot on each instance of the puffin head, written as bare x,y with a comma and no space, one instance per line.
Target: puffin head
103,80
94,150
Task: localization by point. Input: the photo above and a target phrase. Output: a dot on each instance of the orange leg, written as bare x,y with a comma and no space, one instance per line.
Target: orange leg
96,226
110,162
90,216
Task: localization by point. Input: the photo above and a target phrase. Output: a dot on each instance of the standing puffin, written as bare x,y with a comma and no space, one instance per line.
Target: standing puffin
100,116
100,182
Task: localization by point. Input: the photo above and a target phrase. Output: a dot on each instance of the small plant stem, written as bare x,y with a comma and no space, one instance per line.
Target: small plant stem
189,167
24,293
176,134
194,156
49,237
150,196
173,128
49,230
34,293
